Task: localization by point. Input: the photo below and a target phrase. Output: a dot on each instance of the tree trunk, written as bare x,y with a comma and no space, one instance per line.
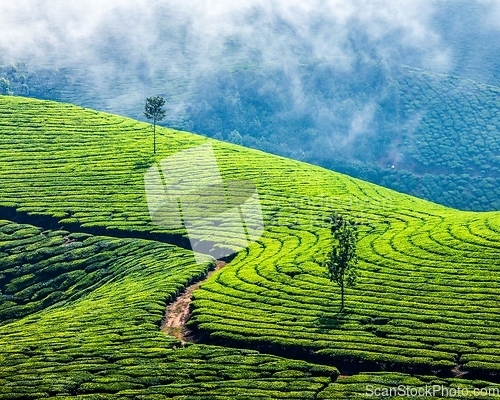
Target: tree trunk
154,136
342,296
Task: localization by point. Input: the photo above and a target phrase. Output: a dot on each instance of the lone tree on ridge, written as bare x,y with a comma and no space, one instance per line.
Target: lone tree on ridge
154,110
343,259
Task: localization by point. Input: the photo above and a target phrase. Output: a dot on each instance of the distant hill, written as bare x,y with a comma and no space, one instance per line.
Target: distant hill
430,135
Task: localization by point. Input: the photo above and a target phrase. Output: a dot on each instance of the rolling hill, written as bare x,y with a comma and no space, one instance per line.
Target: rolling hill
431,135
85,276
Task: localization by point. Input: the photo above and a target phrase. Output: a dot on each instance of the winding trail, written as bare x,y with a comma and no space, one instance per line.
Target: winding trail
179,312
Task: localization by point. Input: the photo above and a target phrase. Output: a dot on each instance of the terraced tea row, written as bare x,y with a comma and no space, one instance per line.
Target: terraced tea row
459,117
401,386
98,334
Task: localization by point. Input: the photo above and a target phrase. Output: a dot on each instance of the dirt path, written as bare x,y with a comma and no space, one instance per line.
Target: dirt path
179,312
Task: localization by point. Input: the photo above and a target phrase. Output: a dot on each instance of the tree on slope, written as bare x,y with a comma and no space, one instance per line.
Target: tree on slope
154,110
342,260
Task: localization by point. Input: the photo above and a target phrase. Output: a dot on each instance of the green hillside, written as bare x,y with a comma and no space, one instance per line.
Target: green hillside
431,135
81,305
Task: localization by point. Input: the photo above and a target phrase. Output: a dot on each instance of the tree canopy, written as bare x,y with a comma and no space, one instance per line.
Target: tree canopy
154,110
343,259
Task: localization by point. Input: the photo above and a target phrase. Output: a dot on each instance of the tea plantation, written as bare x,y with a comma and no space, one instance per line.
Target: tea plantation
80,315
82,302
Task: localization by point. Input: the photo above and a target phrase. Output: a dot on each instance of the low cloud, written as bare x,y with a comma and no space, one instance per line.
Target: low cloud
65,33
